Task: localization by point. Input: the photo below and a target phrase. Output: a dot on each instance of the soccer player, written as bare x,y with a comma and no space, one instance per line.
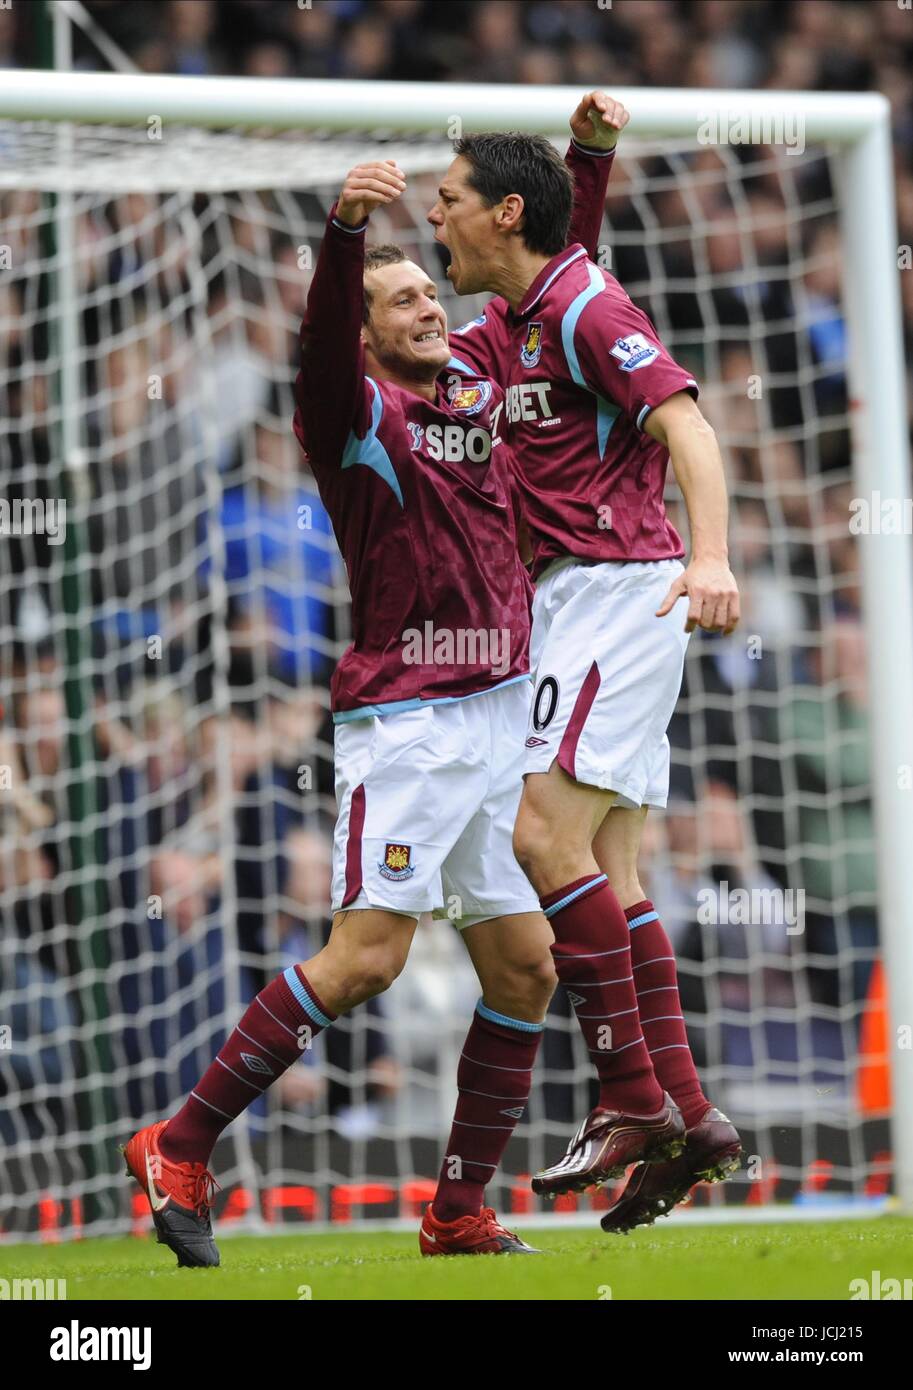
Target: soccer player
427,704
595,407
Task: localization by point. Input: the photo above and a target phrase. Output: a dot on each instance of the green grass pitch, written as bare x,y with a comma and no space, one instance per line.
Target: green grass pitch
789,1261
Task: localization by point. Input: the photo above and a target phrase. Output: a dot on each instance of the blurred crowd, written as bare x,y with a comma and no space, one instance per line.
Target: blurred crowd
799,45
115,807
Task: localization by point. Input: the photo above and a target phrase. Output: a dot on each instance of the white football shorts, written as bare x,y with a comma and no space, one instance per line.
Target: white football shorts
427,802
607,674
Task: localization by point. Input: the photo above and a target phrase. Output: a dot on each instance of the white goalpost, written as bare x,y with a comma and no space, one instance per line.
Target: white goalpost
160,233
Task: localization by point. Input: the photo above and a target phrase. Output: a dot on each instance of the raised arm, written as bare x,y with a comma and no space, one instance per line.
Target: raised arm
330,389
596,125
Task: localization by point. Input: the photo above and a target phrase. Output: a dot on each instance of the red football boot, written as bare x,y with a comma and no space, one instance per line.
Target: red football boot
470,1235
180,1195
712,1153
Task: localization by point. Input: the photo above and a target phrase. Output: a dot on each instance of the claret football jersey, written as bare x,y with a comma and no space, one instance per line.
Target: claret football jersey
420,496
584,369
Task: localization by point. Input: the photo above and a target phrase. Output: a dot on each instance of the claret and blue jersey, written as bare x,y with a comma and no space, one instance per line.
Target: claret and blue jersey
582,368
420,496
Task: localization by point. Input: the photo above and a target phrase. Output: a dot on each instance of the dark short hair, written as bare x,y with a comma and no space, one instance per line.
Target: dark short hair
375,257
530,166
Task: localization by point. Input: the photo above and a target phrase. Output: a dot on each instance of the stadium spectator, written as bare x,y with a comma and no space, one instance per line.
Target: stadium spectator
710,859
190,26
280,562
823,318
824,730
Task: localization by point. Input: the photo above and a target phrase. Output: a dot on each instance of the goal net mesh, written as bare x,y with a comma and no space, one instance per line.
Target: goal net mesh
172,604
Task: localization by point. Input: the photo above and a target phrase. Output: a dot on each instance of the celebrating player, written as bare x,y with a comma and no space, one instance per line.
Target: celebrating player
595,407
427,703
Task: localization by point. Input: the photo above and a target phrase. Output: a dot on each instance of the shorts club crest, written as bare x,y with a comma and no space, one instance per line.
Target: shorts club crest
397,862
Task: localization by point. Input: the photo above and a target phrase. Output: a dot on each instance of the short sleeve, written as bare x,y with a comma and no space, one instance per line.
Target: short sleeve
620,356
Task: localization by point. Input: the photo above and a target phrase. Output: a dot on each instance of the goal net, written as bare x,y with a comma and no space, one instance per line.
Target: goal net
172,607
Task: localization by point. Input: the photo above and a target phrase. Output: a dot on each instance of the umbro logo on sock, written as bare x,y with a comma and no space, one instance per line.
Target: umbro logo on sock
515,1112
257,1064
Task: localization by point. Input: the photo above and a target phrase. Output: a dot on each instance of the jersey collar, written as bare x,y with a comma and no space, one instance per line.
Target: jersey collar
548,274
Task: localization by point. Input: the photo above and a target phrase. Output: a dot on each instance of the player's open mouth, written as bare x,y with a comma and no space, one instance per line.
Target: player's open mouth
432,336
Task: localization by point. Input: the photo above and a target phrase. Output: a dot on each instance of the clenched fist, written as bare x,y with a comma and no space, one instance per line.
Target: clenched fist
369,186
598,121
